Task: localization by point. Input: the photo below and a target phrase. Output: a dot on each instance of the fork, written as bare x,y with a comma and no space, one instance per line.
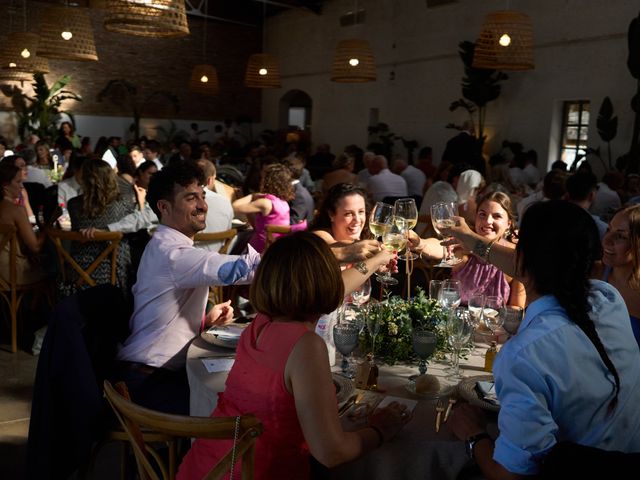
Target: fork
440,407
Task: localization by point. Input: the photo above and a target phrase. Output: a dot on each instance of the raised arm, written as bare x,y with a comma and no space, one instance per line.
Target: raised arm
252,204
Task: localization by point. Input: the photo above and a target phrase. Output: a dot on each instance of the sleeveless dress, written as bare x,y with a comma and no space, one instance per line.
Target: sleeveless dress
635,321
477,276
256,385
279,215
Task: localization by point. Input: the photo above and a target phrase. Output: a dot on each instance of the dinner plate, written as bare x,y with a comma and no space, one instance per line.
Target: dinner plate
344,387
445,389
226,336
467,390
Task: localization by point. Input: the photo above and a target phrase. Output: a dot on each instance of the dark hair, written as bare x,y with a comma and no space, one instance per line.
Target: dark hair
553,185
330,204
75,164
305,263
564,272
425,152
8,172
99,187
580,185
125,165
144,166
559,165
153,146
457,170
163,182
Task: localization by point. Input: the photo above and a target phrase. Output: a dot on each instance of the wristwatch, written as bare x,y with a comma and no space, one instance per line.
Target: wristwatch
361,267
472,440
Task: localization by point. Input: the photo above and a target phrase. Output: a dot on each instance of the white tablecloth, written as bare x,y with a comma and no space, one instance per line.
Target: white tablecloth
417,452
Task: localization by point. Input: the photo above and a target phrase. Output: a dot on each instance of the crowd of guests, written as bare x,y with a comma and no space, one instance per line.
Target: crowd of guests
563,244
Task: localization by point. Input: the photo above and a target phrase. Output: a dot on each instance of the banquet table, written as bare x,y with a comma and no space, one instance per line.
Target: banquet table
416,452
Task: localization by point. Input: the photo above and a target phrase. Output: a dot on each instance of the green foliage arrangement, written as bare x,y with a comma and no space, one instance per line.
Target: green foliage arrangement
40,114
398,317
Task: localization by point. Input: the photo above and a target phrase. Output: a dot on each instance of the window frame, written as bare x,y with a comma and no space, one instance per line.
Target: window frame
580,125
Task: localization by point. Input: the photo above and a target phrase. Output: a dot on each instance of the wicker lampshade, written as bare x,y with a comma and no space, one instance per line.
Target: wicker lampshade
13,76
505,42
204,79
79,47
147,18
16,47
353,62
263,71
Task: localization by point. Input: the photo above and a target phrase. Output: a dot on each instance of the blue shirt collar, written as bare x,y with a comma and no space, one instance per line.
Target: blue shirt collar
535,308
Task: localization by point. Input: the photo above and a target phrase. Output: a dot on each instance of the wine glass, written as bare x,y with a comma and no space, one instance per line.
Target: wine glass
449,296
442,217
374,322
424,344
434,289
345,338
476,304
493,313
380,219
394,239
459,329
406,208
361,295
512,319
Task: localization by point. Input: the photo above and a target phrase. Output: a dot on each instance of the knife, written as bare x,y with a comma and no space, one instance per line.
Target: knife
345,407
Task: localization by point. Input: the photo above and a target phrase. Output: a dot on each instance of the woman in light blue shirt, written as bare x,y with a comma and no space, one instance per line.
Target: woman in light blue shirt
571,372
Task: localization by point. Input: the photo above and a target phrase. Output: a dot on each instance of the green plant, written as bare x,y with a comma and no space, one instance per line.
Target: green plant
398,318
40,114
383,141
479,87
124,94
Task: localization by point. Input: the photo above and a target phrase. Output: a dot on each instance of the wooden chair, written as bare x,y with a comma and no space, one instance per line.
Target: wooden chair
11,291
215,293
271,229
60,238
243,430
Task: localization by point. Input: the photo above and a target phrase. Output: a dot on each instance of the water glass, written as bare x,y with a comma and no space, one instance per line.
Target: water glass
345,338
493,313
476,304
449,297
434,289
424,344
459,330
512,319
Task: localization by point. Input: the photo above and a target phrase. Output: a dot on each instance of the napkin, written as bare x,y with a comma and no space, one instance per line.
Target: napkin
215,365
227,332
487,392
409,403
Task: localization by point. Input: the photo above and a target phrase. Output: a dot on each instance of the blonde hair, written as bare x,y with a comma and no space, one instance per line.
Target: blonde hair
633,214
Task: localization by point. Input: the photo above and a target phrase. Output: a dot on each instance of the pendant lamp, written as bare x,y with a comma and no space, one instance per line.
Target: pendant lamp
263,71
505,42
147,18
353,62
19,55
77,42
204,79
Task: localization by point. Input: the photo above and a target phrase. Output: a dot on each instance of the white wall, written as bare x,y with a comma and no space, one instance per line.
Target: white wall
580,53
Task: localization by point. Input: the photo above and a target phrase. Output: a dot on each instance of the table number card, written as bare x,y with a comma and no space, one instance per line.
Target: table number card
215,365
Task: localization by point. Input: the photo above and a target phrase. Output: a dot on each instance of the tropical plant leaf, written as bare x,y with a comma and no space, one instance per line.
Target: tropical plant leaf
607,124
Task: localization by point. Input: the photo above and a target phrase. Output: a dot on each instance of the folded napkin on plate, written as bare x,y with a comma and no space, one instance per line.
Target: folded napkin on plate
227,331
487,392
215,365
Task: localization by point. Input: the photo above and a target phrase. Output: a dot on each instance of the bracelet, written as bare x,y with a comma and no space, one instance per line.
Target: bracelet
380,435
488,251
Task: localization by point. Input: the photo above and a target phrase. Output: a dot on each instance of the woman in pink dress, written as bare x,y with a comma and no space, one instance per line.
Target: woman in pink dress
269,207
281,373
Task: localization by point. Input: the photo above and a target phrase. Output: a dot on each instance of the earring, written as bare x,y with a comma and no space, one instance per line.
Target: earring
507,233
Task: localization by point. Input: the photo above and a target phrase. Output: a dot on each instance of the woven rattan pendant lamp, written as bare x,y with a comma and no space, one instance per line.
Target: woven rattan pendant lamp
204,77
505,42
263,69
79,45
353,62
19,51
147,18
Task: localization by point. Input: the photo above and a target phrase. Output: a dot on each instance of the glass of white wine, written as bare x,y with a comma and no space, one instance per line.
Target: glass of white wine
380,219
394,239
406,208
442,217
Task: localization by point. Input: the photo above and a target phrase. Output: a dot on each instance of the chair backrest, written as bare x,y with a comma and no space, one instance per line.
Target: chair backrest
244,430
225,236
8,235
61,238
275,229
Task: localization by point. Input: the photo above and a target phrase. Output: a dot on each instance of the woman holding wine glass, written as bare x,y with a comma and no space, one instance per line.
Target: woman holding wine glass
494,222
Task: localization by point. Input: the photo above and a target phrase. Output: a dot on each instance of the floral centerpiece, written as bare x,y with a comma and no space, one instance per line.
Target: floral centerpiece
397,318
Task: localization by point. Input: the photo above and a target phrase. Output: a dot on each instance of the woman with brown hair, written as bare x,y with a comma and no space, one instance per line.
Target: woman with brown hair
270,206
281,372
494,221
621,260
99,205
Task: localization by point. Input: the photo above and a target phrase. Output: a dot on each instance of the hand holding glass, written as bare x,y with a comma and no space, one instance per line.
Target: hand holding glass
393,239
442,217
